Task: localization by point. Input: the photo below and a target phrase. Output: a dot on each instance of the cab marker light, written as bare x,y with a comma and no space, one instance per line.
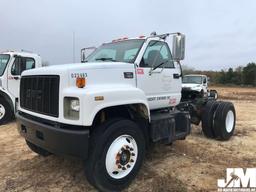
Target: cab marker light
99,98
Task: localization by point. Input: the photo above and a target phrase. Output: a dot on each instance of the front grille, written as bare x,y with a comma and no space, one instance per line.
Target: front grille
40,94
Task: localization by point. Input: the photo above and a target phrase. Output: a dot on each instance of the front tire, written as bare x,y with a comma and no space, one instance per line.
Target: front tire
117,149
6,113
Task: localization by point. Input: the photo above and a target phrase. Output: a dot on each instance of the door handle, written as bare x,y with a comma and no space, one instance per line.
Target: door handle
176,76
16,78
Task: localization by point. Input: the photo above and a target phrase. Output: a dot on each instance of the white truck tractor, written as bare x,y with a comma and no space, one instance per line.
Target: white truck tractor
109,109
197,86
196,83
12,64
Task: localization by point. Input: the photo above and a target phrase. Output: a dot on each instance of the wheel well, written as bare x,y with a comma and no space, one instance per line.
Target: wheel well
135,112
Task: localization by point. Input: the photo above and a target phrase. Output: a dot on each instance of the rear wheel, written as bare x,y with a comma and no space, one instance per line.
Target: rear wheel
207,118
224,121
38,150
6,113
117,150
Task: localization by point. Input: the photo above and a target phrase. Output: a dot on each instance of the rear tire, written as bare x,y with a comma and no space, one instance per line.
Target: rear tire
112,165
38,150
6,113
224,121
207,118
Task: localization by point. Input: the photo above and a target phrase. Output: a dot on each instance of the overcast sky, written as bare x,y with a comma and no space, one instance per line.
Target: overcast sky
219,33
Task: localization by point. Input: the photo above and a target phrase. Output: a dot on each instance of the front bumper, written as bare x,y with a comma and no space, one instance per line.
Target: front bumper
53,137
198,89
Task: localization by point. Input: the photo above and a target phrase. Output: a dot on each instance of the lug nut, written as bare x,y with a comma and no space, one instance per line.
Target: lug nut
123,168
128,166
131,160
131,149
119,166
133,154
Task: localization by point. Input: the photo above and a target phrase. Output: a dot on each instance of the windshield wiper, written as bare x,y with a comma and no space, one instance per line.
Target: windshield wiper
105,59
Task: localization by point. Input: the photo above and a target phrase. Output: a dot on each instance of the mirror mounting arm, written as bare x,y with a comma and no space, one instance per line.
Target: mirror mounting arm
181,71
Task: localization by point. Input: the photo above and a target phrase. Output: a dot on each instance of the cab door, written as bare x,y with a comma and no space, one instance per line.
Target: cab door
19,65
158,76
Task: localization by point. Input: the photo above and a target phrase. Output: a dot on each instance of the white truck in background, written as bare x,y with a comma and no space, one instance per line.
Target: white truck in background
195,82
12,64
107,110
198,85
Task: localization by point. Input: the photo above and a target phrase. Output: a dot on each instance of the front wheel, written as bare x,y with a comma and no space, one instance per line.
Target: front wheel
6,113
117,149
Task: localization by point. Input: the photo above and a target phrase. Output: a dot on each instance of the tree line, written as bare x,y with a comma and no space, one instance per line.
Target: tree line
243,76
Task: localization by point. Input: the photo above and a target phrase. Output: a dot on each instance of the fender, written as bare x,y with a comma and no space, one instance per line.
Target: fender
113,96
8,98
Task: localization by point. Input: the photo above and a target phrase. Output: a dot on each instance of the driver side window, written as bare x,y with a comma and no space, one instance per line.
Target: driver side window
20,64
157,53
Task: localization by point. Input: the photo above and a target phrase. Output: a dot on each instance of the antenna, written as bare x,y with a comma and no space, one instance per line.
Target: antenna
74,58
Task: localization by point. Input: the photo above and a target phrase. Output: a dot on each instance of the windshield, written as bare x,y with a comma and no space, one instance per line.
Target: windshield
192,79
123,51
3,62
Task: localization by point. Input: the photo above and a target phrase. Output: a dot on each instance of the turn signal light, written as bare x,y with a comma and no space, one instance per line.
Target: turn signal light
80,82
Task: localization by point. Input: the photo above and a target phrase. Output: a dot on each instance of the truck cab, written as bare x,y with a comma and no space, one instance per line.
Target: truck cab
12,64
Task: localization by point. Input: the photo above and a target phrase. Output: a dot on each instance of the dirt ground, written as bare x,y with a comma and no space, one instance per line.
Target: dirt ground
194,164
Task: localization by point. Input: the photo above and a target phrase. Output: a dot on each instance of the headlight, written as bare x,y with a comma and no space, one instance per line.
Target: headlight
71,108
74,105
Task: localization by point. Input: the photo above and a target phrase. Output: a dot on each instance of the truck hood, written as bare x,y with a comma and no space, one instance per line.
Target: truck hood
96,74
57,69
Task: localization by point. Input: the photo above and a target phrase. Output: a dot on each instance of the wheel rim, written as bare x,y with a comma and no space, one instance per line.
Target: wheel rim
230,118
2,111
121,156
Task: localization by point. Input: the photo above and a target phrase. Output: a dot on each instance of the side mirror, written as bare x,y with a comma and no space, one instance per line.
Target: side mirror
85,52
178,47
204,81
